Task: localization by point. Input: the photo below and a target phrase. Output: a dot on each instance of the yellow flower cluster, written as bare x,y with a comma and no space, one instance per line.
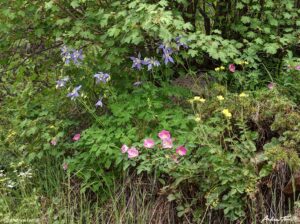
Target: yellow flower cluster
220,98
242,62
197,99
221,68
226,113
243,95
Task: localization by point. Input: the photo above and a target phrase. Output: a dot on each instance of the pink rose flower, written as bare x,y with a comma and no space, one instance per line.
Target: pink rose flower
167,143
164,135
297,67
149,143
231,68
132,153
124,148
76,137
181,150
53,142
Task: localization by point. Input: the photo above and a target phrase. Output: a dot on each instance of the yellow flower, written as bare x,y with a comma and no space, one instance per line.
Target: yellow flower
199,99
220,97
217,69
222,67
197,118
246,62
226,113
243,95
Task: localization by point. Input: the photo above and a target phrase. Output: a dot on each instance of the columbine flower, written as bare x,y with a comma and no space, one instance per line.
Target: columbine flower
271,85
99,103
76,137
132,153
167,55
77,56
62,82
101,77
231,68
137,62
297,67
220,97
151,62
53,142
181,150
198,99
243,95
124,148
149,143
167,143
65,166
226,113
164,135
180,44
74,94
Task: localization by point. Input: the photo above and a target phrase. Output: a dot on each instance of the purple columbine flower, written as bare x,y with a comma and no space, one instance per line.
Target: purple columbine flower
180,44
101,77
77,56
137,62
74,94
167,55
151,62
99,103
62,82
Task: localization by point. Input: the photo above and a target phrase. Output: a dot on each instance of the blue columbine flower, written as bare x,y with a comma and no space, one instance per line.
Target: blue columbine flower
180,44
69,55
151,62
137,62
77,56
101,77
167,55
62,82
99,103
74,94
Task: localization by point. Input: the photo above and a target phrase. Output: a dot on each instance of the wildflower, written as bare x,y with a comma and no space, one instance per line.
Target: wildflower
297,67
74,94
53,142
101,77
149,143
220,98
222,68
199,99
62,82
217,69
137,62
124,148
77,56
180,44
76,137
181,150
271,85
164,135
246,62
132,153
197,118
65,166
226,113
99,103
243,95
167,143
174,158
151,62
138,83
167,55
231,68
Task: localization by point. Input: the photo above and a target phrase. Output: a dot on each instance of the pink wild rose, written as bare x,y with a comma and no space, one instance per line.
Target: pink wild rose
132,153
297,67
167,143
181,150
164,135
231,68
76,137
53,142
271,85
124,148
149,143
